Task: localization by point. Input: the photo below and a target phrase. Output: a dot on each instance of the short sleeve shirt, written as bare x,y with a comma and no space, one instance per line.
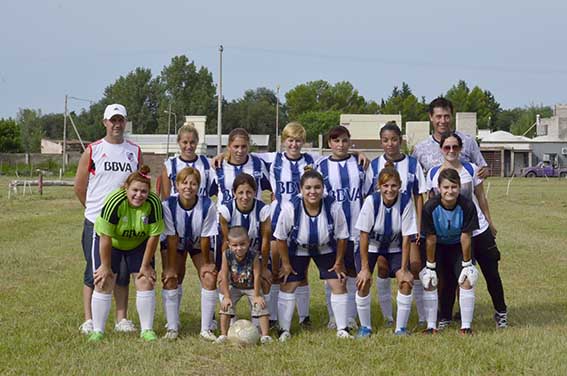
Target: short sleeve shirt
449,224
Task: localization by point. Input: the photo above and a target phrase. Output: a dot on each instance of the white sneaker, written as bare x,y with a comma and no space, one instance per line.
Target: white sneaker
87,327
266,339
332,324
352,324
285,336
221,339
124,326
171,334
214,325
208,335
343,334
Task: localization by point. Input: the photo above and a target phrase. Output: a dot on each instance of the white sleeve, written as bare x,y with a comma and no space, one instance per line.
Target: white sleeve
422,184
476,179
266,157
428,182
168,220
285,222
409,225
366,220
223,211
210,226
272,178
265,213
341,226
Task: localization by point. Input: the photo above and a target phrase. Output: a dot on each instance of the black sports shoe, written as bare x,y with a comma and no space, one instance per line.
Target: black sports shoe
466,332
429,331
306,323
501,320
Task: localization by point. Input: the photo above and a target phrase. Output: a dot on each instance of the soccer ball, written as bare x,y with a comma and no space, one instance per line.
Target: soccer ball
243,332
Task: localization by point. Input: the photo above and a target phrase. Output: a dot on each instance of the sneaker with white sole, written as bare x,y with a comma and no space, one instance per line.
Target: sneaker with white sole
87,327
124,326
284,336
214,325
364,332
343,334
401,332
352,325
389,322
266,339
221,339
171,334
208,335
95,336
501,319
332,324
148,335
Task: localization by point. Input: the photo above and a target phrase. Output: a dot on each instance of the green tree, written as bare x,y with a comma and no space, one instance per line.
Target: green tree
318,122
9,136
141,94
527,119
188,90
30,129
404,102
459,94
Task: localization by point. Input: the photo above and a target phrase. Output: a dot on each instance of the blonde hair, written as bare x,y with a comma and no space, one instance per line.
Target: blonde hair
294,130
187,171
188,128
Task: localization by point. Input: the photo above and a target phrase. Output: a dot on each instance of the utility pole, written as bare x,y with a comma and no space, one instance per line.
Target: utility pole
277,116
64,164
219,105
168,128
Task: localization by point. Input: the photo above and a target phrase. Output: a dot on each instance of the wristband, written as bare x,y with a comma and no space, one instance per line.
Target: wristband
464,264
431,265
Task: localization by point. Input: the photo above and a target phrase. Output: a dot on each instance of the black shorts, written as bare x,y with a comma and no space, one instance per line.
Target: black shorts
301,263
132,258
394,262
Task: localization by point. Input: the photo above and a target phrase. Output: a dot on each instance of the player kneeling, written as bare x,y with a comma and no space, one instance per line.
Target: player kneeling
241,274
448,221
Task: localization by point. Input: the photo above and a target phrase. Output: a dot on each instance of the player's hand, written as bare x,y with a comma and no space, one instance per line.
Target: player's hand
208,268
428,275
404,276
226,303
267,276
363,160
217,161
285,271
468,273
363,279
102,276
483,172
169,275
340,269
148,272
259,302
276,275
493,229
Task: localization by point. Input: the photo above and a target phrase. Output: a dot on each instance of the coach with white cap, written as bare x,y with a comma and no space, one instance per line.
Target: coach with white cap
103,167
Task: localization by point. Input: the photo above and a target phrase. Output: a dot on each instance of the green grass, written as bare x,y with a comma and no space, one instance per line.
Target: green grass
40,305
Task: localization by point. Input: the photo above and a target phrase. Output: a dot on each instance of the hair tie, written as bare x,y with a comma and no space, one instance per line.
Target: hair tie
147,176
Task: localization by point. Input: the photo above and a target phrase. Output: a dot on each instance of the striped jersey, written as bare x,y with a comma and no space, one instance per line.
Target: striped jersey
252,220
109,166
410,172
469,180
190,224
387,224
225,175
347,182
129,226
201,163
285,174
307,235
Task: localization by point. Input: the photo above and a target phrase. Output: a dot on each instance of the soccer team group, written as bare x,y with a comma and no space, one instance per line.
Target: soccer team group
422,220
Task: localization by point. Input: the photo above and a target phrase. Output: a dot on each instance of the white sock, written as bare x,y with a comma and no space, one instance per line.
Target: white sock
146,306
302,297
328,300
404,309
384,292
286,305
430,302
351,292
339,302
417,292
466,302
170,308
208,305
273,306
179,296
100,306
363,308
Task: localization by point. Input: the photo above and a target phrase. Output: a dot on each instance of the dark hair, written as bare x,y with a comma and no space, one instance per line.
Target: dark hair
310,174
440,102
391,126
447,135
338,131
244,178
142,175
449,174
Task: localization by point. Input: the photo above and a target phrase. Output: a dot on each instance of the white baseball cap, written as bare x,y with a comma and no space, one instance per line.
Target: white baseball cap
114,109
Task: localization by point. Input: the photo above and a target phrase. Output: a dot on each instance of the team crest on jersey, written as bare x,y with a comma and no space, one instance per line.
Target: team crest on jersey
124,219
130,156
144,220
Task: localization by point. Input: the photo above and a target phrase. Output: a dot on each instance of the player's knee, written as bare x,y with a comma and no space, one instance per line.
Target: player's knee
144,284
405,288
170,284
209,281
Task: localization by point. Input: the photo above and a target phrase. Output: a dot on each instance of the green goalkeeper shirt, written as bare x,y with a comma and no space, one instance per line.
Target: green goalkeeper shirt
126,225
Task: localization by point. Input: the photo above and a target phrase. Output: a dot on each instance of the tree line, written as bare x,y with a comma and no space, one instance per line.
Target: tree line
189,89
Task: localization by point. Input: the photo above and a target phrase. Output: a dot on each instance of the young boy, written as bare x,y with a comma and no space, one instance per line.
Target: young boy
346,181
241,275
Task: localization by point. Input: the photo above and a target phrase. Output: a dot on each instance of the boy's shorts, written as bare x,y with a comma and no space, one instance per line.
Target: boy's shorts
236,294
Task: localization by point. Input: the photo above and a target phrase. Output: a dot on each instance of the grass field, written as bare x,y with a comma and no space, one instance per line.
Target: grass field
40,306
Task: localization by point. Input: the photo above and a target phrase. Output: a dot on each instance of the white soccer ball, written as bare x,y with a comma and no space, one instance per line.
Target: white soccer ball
243,332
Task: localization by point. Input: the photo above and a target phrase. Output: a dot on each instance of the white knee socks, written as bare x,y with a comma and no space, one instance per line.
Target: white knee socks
146,306
100,306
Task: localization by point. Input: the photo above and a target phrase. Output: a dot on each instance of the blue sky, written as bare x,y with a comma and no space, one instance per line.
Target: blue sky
52,48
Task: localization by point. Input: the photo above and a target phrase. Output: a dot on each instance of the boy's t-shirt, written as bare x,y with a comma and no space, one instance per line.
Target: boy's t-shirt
126,225
240,273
